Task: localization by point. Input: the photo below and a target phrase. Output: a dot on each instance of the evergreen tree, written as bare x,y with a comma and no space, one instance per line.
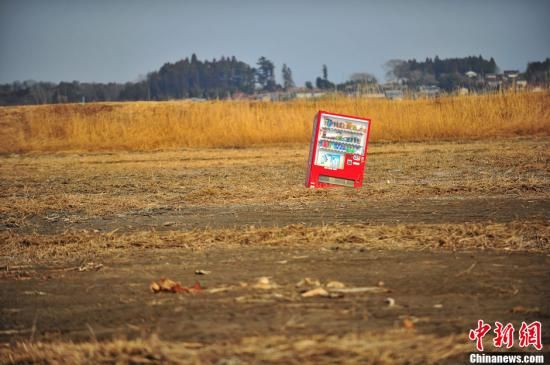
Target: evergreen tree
288,82
265,74
323,83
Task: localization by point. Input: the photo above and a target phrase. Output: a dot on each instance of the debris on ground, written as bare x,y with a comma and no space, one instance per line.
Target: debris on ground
265,283
364,289
334,289
317,292
321,292
408,324
390,302
467,271
202,272
90,266
170,286
307,287
34,292
259,298
335,285
308,282
220,289
522,309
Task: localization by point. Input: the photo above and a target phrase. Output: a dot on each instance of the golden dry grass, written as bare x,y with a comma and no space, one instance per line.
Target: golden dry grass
390,347
176,124
532,236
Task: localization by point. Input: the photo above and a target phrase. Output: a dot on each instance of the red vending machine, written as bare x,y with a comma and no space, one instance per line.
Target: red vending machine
338,150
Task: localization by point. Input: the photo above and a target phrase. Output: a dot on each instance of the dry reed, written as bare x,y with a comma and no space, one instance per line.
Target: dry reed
176,124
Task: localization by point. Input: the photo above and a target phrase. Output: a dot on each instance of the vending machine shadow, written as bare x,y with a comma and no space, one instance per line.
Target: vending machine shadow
338,150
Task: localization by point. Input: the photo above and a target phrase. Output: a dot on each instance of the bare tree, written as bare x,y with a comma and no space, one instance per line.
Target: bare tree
394,69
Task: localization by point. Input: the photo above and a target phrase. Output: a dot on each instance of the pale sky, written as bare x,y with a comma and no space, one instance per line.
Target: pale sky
110,40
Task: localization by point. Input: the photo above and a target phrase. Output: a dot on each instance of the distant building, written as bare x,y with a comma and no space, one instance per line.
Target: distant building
429,90
509,79
378,95
471,74
309,94
394,94
493,81
511,74
521,83
266,96
512,80
275,96
240,96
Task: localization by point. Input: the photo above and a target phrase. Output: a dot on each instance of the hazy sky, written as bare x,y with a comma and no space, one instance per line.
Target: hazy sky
109,40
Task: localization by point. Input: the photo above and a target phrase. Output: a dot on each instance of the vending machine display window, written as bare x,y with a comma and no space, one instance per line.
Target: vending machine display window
338,150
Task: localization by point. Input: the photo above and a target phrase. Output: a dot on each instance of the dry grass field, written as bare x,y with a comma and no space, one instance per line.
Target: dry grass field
161,125
97,201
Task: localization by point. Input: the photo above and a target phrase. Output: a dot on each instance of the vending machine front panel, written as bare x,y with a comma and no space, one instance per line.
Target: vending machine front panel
338,150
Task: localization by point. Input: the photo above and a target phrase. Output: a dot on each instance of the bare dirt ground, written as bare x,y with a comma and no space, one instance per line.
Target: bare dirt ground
441,235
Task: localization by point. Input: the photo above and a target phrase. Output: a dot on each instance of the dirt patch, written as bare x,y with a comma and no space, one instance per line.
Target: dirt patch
430,211
90,186
445,233
441,293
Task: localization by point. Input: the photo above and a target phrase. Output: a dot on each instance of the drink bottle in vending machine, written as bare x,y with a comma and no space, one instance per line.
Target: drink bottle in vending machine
338,150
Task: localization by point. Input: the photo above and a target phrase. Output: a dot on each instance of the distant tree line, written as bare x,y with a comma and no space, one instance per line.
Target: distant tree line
190,78
448,74
538,73
32,92
226,77
187,78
